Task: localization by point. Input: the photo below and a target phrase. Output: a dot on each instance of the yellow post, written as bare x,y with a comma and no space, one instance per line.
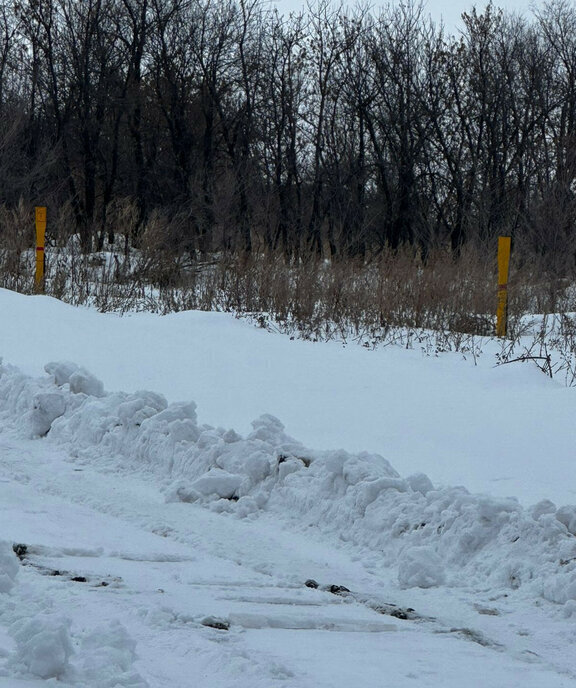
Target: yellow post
504,244
40,241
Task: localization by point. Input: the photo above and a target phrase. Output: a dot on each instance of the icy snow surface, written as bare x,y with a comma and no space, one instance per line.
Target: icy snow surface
169,545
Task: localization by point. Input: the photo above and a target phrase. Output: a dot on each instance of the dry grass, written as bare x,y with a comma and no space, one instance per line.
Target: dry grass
439,304
393,296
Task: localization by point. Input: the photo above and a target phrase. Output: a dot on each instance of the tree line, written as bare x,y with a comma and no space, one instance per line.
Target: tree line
336,131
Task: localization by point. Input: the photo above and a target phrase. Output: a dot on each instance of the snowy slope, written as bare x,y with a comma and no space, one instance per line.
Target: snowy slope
159,525
506,431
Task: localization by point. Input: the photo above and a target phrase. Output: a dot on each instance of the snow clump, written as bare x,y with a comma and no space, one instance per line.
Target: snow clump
43,645
420,567
46,408
78,379
107,655
567,516
9,567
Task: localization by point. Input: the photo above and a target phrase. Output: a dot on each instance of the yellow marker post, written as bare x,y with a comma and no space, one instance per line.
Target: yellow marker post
40,241
504,245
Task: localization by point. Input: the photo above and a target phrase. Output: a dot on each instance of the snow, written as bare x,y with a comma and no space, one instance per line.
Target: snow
43,645
79,380
8,567
163,543
420,567
491,429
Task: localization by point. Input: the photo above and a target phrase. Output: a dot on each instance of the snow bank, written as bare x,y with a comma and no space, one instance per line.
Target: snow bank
430,536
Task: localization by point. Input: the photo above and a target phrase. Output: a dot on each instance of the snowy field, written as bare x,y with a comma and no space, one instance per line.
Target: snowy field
189,535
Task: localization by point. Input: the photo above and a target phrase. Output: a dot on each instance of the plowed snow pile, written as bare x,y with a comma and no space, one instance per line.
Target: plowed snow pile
434,537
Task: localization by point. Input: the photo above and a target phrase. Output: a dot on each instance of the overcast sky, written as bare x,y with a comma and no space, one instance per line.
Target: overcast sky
451,10
447,10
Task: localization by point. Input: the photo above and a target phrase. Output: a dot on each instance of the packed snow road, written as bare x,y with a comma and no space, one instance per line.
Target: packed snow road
116,587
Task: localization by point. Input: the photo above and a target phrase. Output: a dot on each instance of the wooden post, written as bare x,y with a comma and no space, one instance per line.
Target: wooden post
504,245
40,241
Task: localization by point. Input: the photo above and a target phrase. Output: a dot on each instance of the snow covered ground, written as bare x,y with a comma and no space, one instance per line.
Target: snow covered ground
169,544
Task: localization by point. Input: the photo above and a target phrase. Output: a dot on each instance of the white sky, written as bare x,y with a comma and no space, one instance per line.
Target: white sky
447,10
450,12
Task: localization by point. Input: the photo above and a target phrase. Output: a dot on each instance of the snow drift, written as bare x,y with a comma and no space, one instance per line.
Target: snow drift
429,535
